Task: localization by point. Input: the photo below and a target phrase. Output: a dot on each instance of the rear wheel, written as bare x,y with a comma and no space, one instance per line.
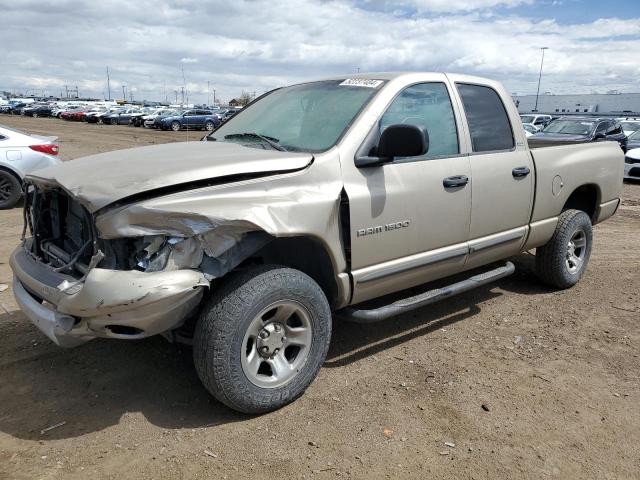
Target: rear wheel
262,338
208,125
10,190
175,126
563,260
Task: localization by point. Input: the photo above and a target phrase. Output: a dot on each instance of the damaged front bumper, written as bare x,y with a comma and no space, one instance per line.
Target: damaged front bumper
105,303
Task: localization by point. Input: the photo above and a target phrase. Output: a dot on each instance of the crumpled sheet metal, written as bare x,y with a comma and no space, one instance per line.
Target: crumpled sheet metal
302,203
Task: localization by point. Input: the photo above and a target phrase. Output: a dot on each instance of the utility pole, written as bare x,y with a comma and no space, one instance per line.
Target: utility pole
182,89
540,77
208,90
214,97
124,94
176,92
108,83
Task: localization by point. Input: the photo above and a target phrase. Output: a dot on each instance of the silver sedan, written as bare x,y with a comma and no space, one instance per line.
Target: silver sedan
20,154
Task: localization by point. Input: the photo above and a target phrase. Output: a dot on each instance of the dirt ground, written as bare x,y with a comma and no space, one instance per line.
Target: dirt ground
558,374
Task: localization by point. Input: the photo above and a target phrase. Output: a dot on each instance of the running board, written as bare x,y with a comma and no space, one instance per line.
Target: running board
411,303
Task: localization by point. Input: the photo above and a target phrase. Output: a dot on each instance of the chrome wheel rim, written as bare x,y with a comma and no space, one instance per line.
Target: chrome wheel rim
576,249
277,344
208,126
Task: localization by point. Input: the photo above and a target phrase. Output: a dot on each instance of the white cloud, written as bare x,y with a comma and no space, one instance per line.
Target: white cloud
258,45
449,5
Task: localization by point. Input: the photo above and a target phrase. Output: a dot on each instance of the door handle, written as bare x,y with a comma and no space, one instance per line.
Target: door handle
455,181
519,172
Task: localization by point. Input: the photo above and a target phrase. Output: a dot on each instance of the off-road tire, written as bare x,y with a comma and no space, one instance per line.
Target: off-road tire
224,320
551,264
10,190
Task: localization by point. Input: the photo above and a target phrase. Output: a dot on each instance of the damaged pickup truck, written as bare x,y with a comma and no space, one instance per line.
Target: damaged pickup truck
316,198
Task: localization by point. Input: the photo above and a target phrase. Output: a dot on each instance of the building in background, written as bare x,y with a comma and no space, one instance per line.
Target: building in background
612,102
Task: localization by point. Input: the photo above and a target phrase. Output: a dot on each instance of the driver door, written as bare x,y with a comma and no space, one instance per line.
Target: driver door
408,225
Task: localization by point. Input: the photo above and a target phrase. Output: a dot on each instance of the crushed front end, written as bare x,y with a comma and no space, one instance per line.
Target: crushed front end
75,286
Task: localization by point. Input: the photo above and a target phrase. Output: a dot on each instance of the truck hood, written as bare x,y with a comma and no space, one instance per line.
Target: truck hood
99,180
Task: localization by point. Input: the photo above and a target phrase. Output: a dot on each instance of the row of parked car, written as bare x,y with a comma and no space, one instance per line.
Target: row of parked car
151,117
546,130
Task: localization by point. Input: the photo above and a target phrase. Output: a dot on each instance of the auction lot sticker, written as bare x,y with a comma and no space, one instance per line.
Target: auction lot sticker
361,82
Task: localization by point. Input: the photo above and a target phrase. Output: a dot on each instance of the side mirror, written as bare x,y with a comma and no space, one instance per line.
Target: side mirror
397,140
600,136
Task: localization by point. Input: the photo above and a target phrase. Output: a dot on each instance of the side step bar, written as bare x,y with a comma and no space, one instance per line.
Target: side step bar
407,304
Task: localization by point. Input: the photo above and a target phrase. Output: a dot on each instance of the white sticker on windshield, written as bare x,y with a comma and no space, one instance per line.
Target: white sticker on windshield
361,82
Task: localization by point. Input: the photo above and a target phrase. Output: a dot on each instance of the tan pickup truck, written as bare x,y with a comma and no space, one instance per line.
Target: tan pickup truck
316,198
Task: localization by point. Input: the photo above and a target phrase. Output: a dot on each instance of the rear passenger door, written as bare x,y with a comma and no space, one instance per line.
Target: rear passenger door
501,177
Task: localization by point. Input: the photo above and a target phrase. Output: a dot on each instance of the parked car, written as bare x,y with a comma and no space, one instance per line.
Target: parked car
69,112
248,241
16,108
157,122
191,119
632,164
37,110
633,140
530,129
567,130
20,154
96,117
122,117
539,121
149,119
227,114
630,126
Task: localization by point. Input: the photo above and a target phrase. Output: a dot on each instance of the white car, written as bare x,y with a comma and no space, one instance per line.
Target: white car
538,121
21,153
530,129
630,126
632,164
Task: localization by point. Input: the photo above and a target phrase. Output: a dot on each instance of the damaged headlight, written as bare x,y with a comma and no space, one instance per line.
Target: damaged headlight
169,253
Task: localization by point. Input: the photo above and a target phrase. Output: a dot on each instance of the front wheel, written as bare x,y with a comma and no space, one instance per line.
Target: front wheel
262,338
175,126
208,126
563,260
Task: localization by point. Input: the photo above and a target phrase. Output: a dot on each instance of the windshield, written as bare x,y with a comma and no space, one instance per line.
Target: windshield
570,127
630,126
635,136
527,118
309,117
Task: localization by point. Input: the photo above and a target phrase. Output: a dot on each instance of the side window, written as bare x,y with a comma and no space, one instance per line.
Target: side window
614,129
602,127
428,106
487,118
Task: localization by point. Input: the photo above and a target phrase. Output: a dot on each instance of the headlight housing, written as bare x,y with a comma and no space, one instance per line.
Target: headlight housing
169,253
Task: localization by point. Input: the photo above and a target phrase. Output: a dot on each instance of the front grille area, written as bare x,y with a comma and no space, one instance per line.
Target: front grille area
62,230
631,160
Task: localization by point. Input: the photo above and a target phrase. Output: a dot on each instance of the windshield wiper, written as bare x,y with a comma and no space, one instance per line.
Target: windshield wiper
273,142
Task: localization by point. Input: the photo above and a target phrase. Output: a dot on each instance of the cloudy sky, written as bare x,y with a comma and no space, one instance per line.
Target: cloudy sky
257,45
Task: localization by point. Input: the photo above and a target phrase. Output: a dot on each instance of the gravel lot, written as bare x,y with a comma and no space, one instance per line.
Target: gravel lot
520,381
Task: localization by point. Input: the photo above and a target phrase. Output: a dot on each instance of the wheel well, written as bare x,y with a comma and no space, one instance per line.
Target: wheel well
304,254
584,198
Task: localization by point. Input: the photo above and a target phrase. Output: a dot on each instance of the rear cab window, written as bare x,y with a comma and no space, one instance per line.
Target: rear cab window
487,118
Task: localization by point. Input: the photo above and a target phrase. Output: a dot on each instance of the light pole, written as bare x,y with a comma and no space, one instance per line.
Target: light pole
540,77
